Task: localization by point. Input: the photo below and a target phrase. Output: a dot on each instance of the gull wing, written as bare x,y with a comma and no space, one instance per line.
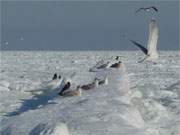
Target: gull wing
140,46
153,38
139,10
154,8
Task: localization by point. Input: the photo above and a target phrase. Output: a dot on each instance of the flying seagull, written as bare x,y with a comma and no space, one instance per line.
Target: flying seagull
147,9
151,50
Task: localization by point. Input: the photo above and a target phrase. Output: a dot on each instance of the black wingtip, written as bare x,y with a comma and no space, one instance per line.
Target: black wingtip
140,46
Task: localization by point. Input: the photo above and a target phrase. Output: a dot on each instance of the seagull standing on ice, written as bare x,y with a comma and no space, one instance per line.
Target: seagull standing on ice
91,85
103,82
66,87
76,92
147,9
116,65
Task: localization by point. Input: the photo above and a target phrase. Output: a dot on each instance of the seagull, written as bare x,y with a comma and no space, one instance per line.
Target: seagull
76,92
116,65
147,9
66,87
91,85
103,82
151,50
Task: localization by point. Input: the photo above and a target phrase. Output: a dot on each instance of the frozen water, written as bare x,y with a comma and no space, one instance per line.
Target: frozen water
144,99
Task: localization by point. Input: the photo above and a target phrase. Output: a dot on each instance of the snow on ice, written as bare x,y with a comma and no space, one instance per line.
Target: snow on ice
141,99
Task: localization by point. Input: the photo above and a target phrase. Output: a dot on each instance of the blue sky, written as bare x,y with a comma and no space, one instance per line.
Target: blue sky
85,25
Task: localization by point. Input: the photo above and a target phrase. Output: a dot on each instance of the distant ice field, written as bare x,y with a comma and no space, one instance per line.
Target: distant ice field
156,84
38,66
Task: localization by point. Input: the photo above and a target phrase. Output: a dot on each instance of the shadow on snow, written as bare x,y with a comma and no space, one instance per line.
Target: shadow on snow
37,101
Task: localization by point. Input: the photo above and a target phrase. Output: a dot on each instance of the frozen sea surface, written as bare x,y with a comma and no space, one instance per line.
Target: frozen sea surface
143,100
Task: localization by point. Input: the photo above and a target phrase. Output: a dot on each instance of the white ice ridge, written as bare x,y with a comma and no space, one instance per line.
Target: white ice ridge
152,40
105,110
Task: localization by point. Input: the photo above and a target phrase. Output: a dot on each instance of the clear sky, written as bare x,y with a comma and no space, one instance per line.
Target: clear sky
85,25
